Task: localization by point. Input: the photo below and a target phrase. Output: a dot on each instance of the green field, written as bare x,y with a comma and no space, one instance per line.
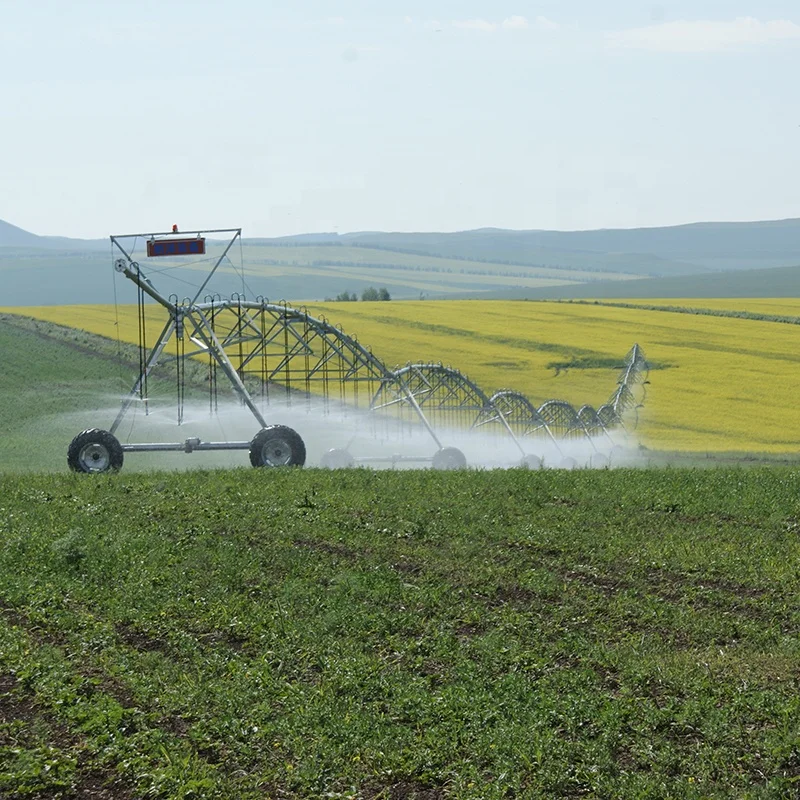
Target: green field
298,634
383,635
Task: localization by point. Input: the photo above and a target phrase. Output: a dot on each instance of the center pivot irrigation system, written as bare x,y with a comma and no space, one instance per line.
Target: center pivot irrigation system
279,357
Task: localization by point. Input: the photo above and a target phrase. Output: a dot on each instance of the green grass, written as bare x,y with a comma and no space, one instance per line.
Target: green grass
614,634
40,380
55,381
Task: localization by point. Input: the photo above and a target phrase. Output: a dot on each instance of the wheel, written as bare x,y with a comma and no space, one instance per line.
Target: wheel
94,451
277,446
567,463
599,461
531,462
449,458
337,459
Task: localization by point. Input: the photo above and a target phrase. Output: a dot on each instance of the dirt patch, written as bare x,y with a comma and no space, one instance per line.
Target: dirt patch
732,588
609,678
516,596
39,632
565,502
674,511
330,548
608,585
234,641
141,641
677,588
90,782
407,567
12,706
111,686
534,547
469,629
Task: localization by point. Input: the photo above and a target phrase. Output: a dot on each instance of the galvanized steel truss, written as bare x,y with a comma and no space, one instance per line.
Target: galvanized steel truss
272,350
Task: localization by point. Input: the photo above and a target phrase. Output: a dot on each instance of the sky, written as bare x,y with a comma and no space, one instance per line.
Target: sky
293,117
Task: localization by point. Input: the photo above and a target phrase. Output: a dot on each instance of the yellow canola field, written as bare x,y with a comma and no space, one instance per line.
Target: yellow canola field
720,384
777,306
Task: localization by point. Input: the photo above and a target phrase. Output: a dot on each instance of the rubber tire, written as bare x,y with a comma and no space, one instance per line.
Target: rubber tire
531,461
281,436
102,440
449,458
337,459
600,461
568,463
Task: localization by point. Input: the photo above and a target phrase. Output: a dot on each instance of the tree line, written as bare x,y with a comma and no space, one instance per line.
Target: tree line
368,295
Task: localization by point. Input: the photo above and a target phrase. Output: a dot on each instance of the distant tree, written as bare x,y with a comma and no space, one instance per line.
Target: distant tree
346,297
369,294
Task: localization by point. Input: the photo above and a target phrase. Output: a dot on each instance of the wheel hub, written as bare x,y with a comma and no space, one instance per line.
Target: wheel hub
277,453
95,457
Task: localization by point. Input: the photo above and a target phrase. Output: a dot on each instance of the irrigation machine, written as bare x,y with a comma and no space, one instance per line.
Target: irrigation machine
278,358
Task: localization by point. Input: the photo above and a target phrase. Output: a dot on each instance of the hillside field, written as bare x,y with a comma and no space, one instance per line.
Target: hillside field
624,634
718,384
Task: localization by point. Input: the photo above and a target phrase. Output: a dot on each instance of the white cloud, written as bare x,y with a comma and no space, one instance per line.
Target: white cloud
515,22
546,24
475,25
702,36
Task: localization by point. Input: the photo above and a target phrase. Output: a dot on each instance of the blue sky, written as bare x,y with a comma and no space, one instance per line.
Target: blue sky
306,116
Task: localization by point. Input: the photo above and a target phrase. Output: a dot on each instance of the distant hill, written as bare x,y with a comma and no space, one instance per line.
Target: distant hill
716,246
12,236
775,282
641,262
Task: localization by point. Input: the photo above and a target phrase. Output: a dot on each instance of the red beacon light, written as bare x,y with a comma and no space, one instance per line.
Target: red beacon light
174,228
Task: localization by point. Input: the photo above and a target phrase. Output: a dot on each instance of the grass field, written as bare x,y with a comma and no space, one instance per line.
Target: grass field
241,634
719,384
41,381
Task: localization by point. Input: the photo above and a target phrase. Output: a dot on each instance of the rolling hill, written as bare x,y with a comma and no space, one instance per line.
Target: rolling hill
47,270
774,282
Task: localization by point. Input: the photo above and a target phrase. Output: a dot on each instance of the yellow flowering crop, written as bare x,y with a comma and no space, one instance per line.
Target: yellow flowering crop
719,384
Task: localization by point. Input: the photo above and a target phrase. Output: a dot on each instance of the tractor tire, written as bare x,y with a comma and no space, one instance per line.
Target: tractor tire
94,451
277,446
449,458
